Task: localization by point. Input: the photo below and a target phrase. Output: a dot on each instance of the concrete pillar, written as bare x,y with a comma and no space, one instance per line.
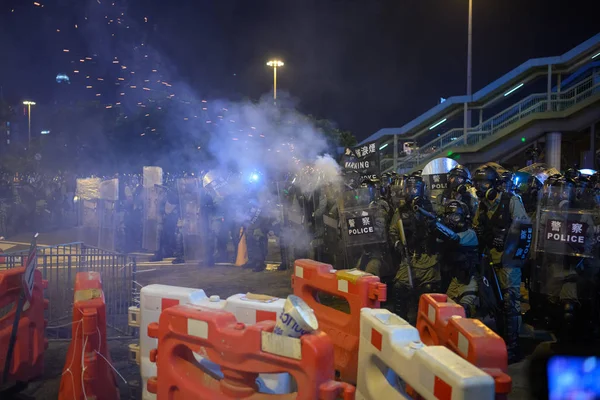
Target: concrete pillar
549,89
395,153
593,138
553,147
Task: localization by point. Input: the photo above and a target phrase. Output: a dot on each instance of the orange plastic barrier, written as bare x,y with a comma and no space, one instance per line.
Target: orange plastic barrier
242,352
87,373
28,356
441,322
358,288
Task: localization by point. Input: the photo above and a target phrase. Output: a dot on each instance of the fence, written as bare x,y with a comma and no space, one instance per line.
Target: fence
59,265
533,104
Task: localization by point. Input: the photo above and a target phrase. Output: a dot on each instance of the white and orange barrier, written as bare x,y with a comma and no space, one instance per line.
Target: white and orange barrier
242,352
358,288
247,308
433,372
442,322
28,356
88,373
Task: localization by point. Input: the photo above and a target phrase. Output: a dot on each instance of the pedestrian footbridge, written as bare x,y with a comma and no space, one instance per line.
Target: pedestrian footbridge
542,100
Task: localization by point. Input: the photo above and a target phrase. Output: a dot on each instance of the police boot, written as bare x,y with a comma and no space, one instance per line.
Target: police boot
566,330
511,338
178,253
259,267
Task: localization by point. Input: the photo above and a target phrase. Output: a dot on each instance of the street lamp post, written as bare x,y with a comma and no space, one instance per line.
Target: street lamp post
275,64
29,104
467,114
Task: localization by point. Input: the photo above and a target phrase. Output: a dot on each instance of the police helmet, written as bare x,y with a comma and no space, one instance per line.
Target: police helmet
414,187
457,216
458,178
573,174
562,192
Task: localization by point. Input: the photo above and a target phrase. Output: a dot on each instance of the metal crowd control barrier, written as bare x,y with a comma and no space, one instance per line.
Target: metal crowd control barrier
59,265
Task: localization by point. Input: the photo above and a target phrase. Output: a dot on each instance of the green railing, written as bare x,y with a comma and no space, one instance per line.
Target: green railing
537,104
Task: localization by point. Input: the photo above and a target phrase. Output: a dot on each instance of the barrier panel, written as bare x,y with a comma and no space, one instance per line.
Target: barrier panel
247,308
389,343
442,322
28,355
88,372
242,352
358,288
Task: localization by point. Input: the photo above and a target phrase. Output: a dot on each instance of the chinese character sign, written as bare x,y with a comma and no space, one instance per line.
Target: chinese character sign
360,228
565,236
362,159
524,242
437,181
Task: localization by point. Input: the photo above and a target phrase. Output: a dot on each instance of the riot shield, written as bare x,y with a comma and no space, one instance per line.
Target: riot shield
294,240
364,229
86,203
190,219
517,245
152,181
360,223
540,171
109,219
435,175
565,264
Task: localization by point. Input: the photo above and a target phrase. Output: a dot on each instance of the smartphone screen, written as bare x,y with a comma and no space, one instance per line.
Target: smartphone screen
573,378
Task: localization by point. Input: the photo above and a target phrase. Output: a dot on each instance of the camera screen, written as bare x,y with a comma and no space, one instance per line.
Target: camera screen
573,378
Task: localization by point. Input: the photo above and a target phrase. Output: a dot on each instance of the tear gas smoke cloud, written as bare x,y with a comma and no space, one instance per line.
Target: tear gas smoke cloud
249,137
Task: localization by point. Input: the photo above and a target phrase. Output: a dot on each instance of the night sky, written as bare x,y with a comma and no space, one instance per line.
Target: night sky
363,64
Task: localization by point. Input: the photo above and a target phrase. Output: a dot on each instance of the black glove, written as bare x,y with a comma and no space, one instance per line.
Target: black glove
479,231
498,243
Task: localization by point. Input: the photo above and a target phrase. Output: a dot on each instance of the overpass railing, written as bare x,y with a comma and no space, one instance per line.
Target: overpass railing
534,104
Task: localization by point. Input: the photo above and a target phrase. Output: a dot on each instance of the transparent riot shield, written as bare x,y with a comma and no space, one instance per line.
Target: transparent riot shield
190,219
565,266
108,215
295,233
435,175
363,227
86,203
152,182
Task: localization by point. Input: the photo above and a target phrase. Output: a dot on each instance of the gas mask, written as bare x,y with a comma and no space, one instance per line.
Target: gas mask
455,216
486,190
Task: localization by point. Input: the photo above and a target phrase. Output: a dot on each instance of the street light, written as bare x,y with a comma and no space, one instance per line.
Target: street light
275,64
467,116
29,104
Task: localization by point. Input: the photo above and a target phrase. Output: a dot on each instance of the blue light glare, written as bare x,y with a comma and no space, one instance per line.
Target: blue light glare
254,177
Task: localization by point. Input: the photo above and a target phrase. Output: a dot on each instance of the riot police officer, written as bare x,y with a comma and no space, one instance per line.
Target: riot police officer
168,243
414,242
460,188
499,211
258,226
327,230
374,256
459,256
567,268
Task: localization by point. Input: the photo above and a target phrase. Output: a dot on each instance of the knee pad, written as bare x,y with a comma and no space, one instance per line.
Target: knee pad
569,312
429,288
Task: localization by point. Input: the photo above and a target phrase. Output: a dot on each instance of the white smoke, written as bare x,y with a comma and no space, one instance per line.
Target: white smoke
275,142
